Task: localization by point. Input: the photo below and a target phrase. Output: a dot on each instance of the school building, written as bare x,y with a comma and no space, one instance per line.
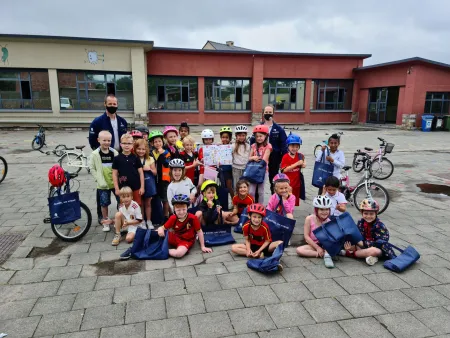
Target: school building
62,81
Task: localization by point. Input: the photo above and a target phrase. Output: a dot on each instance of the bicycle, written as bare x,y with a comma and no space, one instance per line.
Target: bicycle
39,140
381,168
318,147
366,188
3,169
72,161
58,151
73,231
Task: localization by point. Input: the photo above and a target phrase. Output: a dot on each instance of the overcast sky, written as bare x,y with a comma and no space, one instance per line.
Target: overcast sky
389,30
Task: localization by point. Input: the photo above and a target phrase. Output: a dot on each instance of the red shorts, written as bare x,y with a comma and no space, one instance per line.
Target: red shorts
137,197
176,241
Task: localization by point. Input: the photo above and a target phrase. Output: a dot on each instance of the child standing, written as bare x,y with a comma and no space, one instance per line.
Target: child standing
127,170
338,201
189,156
185,227
242,199
225,136
148,165
241,152
171,135
207,139
101,168
313,248
334,156
260,150
282,192
258,240
184,131
180,184
292,163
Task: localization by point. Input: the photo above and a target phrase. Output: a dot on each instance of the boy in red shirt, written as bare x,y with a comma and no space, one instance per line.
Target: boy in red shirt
185,226
292,163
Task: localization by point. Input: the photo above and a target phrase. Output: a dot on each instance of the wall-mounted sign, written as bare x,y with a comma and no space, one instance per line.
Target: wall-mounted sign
93,57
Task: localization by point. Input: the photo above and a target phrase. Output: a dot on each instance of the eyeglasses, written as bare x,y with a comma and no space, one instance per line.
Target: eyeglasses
127,144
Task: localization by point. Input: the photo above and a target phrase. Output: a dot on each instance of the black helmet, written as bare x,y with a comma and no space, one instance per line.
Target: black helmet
181,199
142,129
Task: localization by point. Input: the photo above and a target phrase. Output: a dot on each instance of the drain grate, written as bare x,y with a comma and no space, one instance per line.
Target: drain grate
8,244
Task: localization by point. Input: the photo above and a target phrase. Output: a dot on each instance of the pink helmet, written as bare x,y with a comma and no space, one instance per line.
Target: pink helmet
281,178
136,133
170,128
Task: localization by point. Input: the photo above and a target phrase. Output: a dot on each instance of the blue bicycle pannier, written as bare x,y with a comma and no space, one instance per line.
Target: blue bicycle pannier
217,234
64,208
149,184
269,264
403,261
148,245
255,172
321,172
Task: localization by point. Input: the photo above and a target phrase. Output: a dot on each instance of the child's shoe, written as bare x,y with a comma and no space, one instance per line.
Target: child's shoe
328,261
116,239
280,267
126,255
150,225
371,260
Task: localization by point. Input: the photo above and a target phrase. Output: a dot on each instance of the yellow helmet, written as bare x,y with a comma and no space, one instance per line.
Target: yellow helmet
209,183
225,129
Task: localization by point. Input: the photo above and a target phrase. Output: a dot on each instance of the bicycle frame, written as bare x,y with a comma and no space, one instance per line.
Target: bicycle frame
366,180
82,164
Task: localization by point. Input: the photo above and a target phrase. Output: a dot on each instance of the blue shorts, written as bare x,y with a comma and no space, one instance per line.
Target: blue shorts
105,197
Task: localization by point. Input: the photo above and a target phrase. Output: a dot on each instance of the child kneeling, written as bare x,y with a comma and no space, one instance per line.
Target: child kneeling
283,201
185,226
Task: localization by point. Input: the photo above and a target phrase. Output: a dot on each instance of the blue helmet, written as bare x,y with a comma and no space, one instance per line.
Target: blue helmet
293,139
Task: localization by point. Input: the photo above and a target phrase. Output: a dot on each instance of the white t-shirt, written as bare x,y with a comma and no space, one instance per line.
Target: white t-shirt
115,127
339,161
183,187
132,213
338,198
240,159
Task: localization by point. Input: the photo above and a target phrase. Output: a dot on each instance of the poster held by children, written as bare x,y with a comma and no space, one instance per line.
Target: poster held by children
218,154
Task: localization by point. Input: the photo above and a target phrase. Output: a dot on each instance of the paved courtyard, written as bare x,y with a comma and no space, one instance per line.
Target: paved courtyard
49,288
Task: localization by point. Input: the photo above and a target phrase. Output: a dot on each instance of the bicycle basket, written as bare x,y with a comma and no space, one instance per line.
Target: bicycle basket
389,147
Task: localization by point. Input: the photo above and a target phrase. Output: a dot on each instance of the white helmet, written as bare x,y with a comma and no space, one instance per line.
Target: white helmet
240,129
322,202
176,163
207,133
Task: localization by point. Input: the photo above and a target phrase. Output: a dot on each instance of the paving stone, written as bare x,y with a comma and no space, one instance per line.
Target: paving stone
404,324
170,288
128,293
222,300
37,242
210,269
324,288
361,305
108,282
147,277
11,293
103,316
322,272
258,295
265,279
297,274
184,305
61,322
93,298
77,285
436,319
19,309
5,276
21,327
434,261
292,292
224,257
28,276
110,255
49,262
395,301
324,330
251,320
387,281
367,327
417,278
22,252
210,325
145,310
75,248
101,246
326,310
54,304
157,265
202,284
236,266
235,280
80,334
179,273
443,289
247,335
356,284
440,274
295,261
427,297
64,272
168,328
19,264
291,332
84,258
190,259
289,314
132,330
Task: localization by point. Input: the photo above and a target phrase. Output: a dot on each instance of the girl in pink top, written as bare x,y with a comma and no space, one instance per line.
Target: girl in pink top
322,206
284,192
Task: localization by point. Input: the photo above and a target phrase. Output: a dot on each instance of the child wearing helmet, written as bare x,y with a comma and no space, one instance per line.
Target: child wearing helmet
207,139
225,136
312,248
258,240
144,130
171,135
136,134
375,241
282,201
241,152
185,227
180,184
292,164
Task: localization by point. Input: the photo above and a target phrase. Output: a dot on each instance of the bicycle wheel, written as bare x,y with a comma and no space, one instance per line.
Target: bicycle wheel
37,143
73,231
376,192
382,169
317,148
71,162
3,169
59,149
358,164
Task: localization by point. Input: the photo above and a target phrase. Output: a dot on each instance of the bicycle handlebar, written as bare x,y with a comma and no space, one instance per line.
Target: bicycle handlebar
381,139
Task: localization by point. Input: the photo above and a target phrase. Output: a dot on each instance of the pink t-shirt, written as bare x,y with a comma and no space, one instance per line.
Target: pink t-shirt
314,226
288,204
260,152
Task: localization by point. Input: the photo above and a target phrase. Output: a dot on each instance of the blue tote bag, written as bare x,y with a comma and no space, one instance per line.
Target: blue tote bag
217,234
64,208
321,172
244,218
149,184
269,264
403,261
255,172
148,245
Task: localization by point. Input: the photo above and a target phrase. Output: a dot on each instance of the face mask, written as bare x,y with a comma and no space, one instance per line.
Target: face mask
111,110
267,117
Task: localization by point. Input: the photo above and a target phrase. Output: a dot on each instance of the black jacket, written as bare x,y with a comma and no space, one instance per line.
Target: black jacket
104,123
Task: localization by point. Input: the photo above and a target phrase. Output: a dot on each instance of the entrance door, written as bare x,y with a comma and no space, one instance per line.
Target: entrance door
377,105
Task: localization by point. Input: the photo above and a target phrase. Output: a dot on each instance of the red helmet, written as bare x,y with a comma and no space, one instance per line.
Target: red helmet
257,208
136,133
56,176
261,129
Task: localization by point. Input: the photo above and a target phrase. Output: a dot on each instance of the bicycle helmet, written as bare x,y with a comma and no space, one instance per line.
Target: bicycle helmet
261,129
240,129
176,163
155,133
369,205
207,184
225,129
136,133
170,128
56,176
281,178
322,202
257,208
293,139
207,133
142,129
181,199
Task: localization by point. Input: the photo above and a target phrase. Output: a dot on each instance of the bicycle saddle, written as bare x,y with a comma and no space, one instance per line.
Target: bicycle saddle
368,149
80,147
346,168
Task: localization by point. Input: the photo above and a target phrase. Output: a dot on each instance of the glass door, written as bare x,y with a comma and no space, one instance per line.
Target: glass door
377,105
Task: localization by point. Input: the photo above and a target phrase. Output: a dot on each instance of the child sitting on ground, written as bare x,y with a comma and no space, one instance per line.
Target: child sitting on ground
338,201
258,240
284,193
242,199
292,164
376,236
322,206
185,227
180,184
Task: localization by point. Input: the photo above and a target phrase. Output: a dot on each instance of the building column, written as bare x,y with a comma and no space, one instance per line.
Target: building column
307,101
400,107
201,100
54,91
257,89
408,100
355,101
139,75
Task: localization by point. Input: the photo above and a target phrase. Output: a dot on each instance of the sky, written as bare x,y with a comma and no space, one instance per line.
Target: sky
389,30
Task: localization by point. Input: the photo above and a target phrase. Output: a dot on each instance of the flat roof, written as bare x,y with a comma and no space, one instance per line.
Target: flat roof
403,61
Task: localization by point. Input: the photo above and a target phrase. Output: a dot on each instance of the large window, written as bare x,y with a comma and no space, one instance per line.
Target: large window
24,90
437,103
87,91
227,94
332,95
172,93
284,94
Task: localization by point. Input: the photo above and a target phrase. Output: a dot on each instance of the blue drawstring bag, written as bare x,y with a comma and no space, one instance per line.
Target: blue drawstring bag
217,234
64,207
255,172
149,184
403,261
148,245
322,171
267,264
244,218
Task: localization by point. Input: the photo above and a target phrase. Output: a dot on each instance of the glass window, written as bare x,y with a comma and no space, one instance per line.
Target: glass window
332,95
284,94
87,91
227,94
437,103
172,93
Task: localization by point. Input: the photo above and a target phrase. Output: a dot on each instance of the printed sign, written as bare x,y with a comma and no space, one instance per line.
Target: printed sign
218,154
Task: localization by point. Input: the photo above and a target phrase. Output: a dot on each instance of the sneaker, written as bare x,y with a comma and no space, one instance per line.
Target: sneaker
150,225
116,239
280,267
371,260
126,255
106,228
328,262
342,253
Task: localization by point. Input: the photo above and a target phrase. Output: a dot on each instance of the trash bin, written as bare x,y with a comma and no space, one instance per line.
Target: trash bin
427,120
438,123
447,122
